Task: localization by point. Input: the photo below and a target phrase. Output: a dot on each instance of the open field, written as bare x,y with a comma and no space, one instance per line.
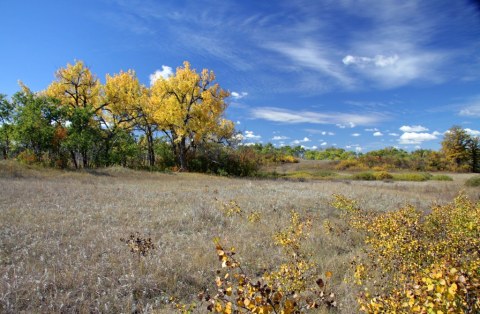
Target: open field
60,248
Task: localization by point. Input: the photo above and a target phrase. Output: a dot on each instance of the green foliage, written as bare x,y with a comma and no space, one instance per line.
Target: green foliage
441,177
473,181
243,161
367,176
331,153
412,176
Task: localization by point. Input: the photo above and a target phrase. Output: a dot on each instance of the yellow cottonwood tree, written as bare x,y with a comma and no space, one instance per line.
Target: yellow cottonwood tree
189,107
76,86
128,104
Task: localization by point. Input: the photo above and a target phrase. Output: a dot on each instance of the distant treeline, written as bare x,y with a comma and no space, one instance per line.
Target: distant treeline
460,152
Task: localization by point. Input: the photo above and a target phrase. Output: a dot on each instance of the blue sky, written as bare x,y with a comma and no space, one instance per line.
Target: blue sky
355,74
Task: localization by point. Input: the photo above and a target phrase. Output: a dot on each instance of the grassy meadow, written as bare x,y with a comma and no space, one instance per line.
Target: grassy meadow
60,231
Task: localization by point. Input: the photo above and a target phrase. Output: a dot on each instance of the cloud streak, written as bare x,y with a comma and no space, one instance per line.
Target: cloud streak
295,117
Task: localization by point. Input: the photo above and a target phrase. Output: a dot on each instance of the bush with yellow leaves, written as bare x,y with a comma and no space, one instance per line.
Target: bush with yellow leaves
292,287
417,262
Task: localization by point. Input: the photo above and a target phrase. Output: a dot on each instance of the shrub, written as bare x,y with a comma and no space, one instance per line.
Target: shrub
473,181
290,288
413,176
369,176
383,175
417,262
442,177
27,157
350,164
288,159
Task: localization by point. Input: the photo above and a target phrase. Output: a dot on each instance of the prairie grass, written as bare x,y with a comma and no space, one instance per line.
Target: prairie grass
60,231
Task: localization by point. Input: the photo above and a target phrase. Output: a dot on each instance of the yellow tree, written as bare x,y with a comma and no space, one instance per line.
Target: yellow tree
76,86
455,147
189,108
128,106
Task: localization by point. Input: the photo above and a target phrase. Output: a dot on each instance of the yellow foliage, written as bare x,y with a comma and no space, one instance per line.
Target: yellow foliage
291,288
75,87
190,105
432,260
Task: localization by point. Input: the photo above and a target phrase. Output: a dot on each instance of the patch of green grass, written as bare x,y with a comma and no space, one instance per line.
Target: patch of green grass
441,177
412,176
473,181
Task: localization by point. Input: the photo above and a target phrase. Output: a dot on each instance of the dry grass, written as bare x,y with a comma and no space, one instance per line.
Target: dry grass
60,248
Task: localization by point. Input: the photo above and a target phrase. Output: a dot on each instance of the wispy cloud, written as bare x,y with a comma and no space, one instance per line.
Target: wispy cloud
312,56
294,117
321,132
378,134
280,138
471,108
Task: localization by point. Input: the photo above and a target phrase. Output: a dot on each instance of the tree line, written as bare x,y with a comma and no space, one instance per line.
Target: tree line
178,122
79,122
459,152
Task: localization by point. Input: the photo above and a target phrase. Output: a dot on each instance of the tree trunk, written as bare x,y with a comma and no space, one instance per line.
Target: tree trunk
182,154
150,148
85,159
74,159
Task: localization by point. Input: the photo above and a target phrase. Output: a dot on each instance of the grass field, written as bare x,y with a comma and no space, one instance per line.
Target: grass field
60,231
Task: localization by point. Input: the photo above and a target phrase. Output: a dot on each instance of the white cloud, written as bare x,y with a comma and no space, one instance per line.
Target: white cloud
238,123
164,73
393,134
279,138
358,149
413,128
313,131
356,134
343,126
293,117
414,138
378,133
305,140
472,132
472,108
239,137
236,95
378,60
251,136
372,130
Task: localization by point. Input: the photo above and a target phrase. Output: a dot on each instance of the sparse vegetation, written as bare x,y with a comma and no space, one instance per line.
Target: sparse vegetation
60,249
473,181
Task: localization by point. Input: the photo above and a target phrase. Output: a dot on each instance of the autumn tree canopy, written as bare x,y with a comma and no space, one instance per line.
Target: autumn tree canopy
189,108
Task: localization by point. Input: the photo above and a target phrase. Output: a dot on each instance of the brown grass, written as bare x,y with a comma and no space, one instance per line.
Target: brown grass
60,248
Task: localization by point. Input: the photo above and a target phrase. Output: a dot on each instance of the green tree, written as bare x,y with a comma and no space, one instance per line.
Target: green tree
37,122
6,127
